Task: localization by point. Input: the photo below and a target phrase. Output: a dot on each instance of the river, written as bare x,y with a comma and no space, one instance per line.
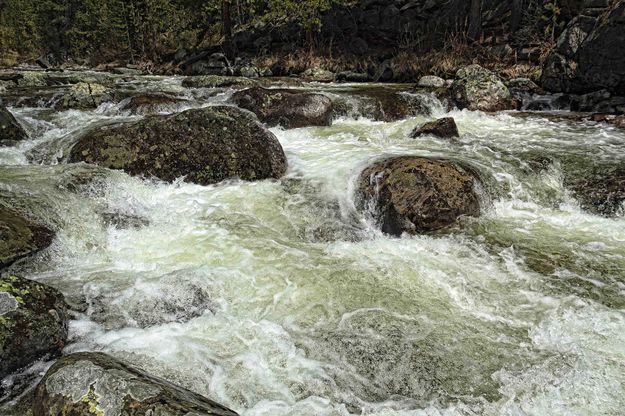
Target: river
280,298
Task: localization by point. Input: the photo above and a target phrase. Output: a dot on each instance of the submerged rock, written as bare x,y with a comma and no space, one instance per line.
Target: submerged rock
416,194
11,131
291,109
33,322
20,237
96,384
477,88
217,81
205,145
444,128
601,191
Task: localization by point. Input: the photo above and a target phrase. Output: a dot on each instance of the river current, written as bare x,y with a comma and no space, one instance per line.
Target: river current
280,298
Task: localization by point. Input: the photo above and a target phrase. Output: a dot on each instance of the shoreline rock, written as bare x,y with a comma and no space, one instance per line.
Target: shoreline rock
477,88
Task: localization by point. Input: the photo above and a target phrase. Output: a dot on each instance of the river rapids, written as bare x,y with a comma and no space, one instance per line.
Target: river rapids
280,298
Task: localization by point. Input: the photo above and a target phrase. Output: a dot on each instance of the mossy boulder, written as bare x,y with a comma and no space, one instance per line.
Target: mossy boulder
83,96
444,128
416,194
96,384
217,81
20,237
288,108
33,323
205,145
477,88
11,131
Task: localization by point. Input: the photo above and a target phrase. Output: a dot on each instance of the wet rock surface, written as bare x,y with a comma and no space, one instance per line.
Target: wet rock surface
444,128
204,145
417,195
33,322
20,237
96,384
150,103
11,131
477,88
217,81
288,108
83,96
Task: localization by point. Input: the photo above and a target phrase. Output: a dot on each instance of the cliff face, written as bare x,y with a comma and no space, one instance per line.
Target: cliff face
589,54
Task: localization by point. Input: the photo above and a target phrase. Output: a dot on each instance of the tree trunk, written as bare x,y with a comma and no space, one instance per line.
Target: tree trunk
226,21
475,20
516,15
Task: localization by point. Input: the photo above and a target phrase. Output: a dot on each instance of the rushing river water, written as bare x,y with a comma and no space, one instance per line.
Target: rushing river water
280,298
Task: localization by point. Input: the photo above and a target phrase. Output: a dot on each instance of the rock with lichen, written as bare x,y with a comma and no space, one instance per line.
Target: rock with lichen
417,194
20,237
477,88
205,146
33,323
83,95
96,384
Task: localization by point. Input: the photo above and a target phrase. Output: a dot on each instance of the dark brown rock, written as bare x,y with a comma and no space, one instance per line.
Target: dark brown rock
206,146
10,130
416,194
444,128
290,109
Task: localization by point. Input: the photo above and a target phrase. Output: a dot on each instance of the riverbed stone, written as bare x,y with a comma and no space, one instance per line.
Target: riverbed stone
96,384
205,146
33,322
288,108
11,131
416,194
444,128
20,237
477,88
431,81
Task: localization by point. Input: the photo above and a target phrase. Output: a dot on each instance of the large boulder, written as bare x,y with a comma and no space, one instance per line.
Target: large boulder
11,131
288,108
33,323
444,128
205,145
96,384
20,237
477,88
416,194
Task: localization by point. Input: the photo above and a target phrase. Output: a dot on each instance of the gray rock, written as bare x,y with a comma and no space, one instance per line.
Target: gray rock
431,81
216,81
